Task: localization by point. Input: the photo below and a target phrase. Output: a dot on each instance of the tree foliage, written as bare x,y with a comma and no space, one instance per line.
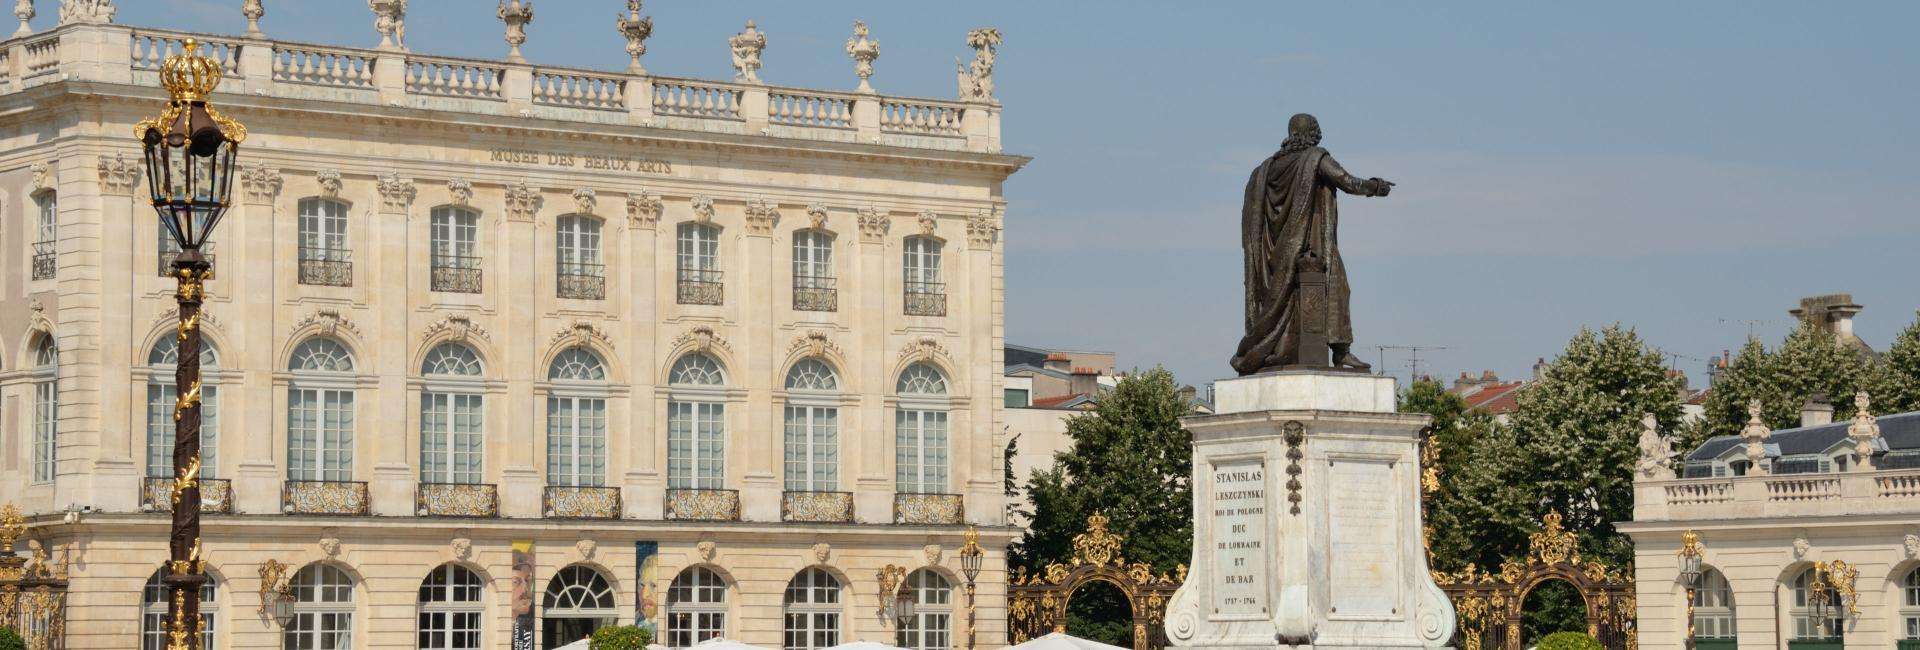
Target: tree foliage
1131,460
1811,362
1895,382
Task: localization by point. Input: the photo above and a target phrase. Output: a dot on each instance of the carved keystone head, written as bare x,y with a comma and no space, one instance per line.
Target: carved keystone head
461,548
586,548
706,549
330,546
823,550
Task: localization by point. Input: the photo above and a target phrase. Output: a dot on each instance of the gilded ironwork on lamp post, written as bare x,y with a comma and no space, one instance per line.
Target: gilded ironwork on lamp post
971,557
1690,571
190,150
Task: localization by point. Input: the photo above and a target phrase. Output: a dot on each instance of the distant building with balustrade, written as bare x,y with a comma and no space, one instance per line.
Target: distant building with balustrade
1798,543
725,354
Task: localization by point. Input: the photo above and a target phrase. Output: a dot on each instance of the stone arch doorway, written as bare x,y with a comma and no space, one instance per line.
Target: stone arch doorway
1038,603
1492,606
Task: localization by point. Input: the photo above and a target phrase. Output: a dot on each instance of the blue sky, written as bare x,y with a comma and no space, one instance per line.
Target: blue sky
1677,167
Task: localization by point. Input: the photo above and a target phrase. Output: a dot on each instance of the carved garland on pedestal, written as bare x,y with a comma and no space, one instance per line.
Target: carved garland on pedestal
1038,603
1490,606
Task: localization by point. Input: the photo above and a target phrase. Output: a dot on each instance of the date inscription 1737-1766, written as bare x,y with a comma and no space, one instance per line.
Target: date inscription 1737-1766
1297,294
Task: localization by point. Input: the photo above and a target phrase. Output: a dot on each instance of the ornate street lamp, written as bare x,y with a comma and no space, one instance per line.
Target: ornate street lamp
1818,601
971,557
1690,564
190,150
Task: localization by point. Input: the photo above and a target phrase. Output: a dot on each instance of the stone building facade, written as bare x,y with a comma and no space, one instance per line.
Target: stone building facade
750,332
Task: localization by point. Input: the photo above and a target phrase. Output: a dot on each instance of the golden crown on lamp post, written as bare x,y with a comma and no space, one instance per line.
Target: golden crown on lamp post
190,149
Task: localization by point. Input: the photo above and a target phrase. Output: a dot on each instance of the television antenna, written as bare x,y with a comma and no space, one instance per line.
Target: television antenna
1413,357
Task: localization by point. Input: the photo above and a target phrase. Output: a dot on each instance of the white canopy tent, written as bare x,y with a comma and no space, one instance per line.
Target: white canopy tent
865,645
1063,641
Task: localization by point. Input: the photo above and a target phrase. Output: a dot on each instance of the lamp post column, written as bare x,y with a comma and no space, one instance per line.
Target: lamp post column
185,577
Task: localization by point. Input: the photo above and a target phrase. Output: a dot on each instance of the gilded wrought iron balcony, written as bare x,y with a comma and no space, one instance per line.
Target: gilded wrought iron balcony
582,281
43,260
831,507
703,505
928,509
814,293
455,274
456,500
926,299
700,287
168,256
156,495
330,267
323,497
582,502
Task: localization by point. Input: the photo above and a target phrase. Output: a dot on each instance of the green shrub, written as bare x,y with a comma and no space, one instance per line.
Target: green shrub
1568,641
621,637
11,641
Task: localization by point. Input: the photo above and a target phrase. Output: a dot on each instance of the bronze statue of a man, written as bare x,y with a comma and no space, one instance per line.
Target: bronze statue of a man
1297,290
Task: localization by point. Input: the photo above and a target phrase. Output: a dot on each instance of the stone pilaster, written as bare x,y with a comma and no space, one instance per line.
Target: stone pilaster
388,231
760,436
645,480
248,415
985,493
870,287
116,478
521,480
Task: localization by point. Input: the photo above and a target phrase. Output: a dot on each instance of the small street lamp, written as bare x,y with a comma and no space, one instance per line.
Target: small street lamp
1690,564
1818,600
971,557
190,149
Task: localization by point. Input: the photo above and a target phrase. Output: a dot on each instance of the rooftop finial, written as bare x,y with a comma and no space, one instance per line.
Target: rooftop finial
390,19
864,51
23,9
86,11
976,79
516,15
747,46
636,29
254,11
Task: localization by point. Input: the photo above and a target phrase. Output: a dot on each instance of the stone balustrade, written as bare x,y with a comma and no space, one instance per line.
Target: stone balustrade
266,70
1778,495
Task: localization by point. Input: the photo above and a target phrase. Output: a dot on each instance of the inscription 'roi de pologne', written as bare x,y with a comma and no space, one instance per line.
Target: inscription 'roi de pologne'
582,161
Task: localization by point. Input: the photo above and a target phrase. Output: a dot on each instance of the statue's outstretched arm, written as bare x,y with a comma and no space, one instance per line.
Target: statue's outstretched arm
1338,176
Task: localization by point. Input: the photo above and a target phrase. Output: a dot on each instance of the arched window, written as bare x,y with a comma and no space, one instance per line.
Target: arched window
697,262
920,431
452,232
450,609
696,607
812,611
46,409
1713,625
577,419
46,234
926,295
578,601
1806,626
813,280
320,412
156,597
1910,605
696,424
326,256
577,251
452,435
931,626
322,609
161,398
812,423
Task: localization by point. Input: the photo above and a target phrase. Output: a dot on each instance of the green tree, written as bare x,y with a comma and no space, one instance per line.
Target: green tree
1896,379
1577,430
1747,377
1131,461
1810,362
1467,446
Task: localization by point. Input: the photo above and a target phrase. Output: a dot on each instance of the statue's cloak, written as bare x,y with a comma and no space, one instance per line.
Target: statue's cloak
1288,211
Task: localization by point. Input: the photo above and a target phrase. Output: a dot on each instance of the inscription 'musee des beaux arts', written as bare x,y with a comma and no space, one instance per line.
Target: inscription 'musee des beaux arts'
583,161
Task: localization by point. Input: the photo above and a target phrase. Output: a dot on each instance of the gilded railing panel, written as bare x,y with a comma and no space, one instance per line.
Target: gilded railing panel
582,502
831,507
216,495
323,497
703,505
928,509
926,299
456,500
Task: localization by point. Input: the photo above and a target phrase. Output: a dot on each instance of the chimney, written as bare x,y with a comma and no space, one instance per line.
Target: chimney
1487,377
1539,368
1463,381
1058,361
1816,412
1085,381
1187,393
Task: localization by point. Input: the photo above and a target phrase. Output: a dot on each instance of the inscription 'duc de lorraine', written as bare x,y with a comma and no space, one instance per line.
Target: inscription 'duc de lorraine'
1240,539
583,161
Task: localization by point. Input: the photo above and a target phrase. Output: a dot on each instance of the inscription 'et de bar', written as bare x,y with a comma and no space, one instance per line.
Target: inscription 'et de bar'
1239,520
583,161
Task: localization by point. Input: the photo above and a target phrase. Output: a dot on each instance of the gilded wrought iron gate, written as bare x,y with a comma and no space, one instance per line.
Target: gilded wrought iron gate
1490,606
1038,603
33,591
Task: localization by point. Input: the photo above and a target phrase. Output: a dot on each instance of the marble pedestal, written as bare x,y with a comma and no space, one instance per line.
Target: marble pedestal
1307,532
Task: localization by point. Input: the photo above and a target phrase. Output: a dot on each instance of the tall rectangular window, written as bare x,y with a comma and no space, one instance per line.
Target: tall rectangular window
319,434
812,448
451,441
452,232
696,445
160,430
325,256
576,441
920,452
812,254
581,274
46,430
925,294
47,235
697,264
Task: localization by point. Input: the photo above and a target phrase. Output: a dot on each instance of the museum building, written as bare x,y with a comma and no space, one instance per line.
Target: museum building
1805,538
724,357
